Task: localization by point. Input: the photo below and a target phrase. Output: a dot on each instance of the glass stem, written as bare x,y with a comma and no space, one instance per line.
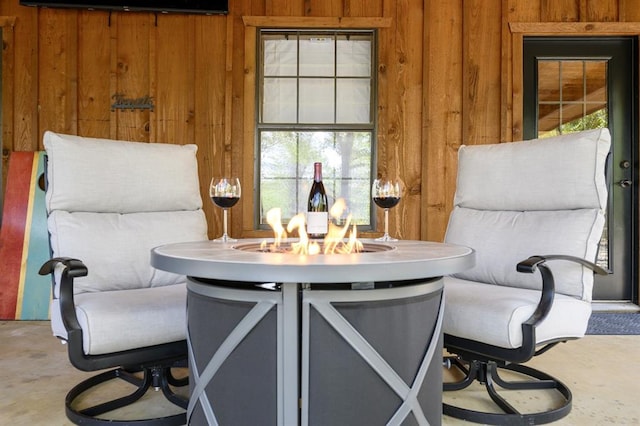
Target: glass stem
386,221
224,222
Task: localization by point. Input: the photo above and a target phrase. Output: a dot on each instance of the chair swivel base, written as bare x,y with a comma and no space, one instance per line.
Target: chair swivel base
158,377
487,373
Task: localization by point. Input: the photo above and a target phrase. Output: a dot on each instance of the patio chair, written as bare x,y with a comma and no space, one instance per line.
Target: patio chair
525,207
108,203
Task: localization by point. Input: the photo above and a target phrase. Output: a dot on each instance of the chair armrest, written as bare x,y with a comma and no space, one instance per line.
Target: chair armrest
534,263
73,268
529,265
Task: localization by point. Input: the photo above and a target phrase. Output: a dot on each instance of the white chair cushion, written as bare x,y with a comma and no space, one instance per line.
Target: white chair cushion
102,175
116,247
494,315
504,238
555,173
115,321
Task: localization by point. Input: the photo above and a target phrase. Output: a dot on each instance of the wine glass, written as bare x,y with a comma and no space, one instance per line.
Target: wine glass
386,193
225,193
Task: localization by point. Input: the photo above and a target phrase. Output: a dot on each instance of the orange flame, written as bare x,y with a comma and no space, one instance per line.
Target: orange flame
334,242
304,245
274,220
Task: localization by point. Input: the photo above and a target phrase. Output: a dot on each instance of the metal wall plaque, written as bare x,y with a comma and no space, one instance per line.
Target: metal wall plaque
120,101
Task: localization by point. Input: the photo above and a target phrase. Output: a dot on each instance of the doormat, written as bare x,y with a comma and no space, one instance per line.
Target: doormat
604,323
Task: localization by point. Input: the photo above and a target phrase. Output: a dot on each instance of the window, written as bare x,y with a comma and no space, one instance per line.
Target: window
315,103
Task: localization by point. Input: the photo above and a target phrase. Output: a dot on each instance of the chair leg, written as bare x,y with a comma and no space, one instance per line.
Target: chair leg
491,375
167,379
157,377
470,372
174,381
488,374
544,381
142,386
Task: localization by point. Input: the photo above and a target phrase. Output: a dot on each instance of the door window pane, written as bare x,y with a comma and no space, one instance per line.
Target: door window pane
596,81
572,78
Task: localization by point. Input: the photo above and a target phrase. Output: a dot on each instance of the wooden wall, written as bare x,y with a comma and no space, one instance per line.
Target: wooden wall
446,77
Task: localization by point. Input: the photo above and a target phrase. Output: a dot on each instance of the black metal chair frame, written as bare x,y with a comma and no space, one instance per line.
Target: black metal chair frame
481,362
154,363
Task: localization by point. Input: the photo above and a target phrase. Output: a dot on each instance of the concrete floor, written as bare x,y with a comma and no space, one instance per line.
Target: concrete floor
603,373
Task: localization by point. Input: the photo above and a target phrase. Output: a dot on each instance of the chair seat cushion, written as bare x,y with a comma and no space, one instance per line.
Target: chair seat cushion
494,314
119,320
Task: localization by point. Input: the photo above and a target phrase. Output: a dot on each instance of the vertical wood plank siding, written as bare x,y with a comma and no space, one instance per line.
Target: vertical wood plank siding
447,76
442,113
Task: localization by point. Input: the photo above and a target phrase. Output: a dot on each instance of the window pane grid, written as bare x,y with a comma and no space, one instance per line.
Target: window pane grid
571,95
315,102
318,84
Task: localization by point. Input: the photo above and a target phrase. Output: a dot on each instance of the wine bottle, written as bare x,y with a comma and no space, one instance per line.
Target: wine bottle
318,206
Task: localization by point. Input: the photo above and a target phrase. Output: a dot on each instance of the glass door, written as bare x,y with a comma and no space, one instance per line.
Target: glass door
580,83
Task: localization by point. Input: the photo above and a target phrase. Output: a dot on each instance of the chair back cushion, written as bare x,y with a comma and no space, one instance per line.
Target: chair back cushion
110,202
537,197
558,173
108,176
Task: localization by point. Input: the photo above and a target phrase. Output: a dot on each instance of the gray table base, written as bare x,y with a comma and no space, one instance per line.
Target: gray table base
315,354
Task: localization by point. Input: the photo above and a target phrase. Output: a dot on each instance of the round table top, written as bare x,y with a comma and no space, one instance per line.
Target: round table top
404,260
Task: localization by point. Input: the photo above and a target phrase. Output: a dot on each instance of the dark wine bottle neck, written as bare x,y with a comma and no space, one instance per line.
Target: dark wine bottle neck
317,172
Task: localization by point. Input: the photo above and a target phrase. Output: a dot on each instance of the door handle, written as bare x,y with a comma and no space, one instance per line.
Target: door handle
625,183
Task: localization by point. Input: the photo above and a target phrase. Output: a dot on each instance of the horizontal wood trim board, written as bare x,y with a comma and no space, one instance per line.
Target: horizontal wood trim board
575,28
312,22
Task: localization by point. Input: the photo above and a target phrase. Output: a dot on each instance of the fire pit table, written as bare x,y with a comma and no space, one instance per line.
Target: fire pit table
279,338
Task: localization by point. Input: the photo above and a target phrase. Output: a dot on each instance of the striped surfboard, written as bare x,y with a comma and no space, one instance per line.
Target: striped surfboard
24,246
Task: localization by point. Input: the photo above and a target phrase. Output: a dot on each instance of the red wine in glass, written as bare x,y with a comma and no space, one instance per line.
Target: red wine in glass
225,193
225,202
386,202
